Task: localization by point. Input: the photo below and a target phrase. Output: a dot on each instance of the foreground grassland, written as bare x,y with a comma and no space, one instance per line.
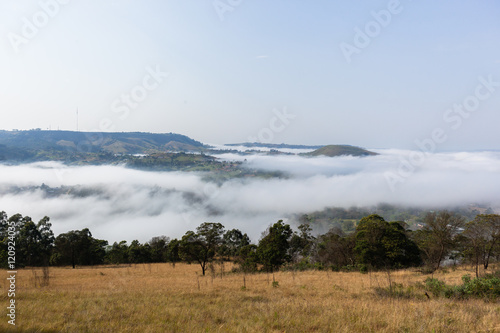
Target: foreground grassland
160,298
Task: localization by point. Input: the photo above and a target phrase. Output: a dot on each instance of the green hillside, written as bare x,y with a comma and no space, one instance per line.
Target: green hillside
98,142
272,145
339,150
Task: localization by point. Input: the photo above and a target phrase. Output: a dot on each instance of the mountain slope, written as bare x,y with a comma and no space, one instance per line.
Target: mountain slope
117,143
272,145
339,150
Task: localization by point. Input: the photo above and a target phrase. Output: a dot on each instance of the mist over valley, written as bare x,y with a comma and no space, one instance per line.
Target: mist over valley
125,202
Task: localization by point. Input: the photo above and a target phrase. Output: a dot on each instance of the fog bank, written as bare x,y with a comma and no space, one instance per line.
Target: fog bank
118,203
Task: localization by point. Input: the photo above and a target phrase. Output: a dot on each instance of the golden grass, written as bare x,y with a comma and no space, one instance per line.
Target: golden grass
160,298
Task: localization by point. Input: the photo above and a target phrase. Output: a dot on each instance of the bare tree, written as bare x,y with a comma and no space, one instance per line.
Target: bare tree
438,236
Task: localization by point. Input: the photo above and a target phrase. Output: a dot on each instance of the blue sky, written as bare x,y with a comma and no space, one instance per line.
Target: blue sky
231,70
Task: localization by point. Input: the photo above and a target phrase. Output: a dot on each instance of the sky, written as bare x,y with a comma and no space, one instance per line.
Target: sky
376,74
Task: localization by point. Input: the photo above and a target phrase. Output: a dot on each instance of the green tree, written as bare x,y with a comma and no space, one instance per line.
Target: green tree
273,248
4,239
301,244
336,249
78,247
233,241
381,244
138,253
33,241
203,245
158,246
173,254
248,258
117,253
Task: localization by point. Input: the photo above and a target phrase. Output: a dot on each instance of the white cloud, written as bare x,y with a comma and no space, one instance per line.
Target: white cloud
131,204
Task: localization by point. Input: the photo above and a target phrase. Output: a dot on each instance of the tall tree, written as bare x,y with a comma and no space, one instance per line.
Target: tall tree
233,241
438,237
301,244
383,244
34,241
203,245
173,254
158,246
482,239
139,253
117,253
273,247
336,249
78,247
5,238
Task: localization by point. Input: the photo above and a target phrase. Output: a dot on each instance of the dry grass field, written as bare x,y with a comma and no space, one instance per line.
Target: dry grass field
160,298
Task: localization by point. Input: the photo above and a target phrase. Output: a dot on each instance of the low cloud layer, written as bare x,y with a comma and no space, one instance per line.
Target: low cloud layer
117,203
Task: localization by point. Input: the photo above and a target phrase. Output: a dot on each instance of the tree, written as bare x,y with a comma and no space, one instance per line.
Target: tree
158,246
301,244
336,249
273,247
138,253
482,239
117,253
4,239
33,242
491,223
203,245
233,241
78,247
438,237
383,244
172,253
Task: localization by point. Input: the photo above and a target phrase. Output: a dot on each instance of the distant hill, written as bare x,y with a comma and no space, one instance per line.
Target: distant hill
98,142
14,154
272,145
339,150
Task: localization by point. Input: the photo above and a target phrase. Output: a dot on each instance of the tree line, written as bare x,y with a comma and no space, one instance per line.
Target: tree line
375,244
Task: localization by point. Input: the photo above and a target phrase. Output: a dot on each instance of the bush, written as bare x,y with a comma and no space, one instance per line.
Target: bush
363,269
303,265
487,287
398,291
436,287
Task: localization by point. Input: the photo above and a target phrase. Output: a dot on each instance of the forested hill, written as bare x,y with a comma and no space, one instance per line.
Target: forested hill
272,145
20,142
339,150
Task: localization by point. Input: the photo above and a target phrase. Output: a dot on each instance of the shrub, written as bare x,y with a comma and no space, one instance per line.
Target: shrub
436,287
487,287
398,291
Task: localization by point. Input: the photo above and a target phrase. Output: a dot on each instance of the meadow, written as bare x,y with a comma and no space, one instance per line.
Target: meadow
163,298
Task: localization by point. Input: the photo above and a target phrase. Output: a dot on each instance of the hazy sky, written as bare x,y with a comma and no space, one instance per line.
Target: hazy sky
369,73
